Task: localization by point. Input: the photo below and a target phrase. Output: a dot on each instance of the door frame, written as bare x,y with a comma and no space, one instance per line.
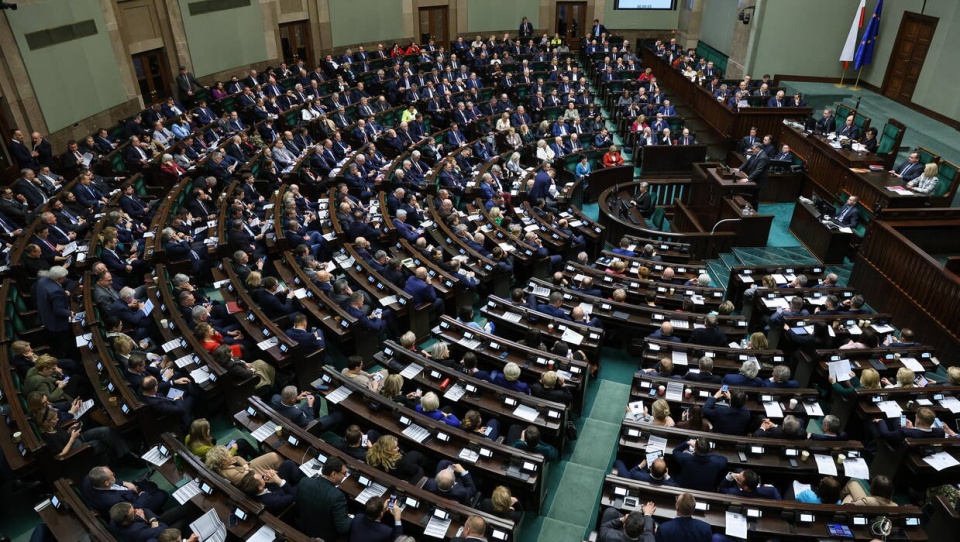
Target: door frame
167,79
439,40
311,58
888,73
574,41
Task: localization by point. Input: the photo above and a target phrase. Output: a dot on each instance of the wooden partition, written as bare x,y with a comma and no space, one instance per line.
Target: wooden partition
898,277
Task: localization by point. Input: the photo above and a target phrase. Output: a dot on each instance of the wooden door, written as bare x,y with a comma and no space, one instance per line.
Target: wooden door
909,52
295,43
570,22
433,25
8,169
153,75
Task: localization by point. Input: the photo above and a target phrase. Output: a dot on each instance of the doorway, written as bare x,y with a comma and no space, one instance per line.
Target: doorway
153,75
909,52
8,170
295,43
433,25
570,22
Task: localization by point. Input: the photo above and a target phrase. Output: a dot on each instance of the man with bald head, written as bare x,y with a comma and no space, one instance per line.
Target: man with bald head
420,288
665,333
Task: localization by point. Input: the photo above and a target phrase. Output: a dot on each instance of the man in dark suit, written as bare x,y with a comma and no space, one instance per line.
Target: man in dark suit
711,334
452,482
21,153
28,186
826,123
102,489
700,470
731,418
597,29
287,404
369,527
684,527
848,215
269,489
909,170
180,406
757,165
420,287
132,524
639,526
849,130
665,333
405,230
309,341
273,303
554,308
922,428
54,310
474,530
705,374
321,506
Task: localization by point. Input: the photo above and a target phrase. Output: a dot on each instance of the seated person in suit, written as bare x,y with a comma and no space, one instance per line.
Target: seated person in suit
700,468
796,309
747,484
656,475
780,378
179,405
554,308
926,183
644,201
274,303
420,287
710,334
665,333
747,375
310,341
831,429
849,130
705,374
132,524
923,427
452,482
731,417
430,406
510,378
551,387
369,526
102,489
909,170
826,123
684,527
269,489
624,248
881,492
792,428
287,404
848,214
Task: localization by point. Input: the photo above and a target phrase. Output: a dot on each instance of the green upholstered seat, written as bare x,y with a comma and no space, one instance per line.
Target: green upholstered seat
658,218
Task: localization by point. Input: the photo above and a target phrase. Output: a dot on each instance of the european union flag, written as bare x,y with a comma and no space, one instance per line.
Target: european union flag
865,50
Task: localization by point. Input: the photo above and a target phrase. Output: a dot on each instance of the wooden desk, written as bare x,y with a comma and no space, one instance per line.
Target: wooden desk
833,171
709,188
828,245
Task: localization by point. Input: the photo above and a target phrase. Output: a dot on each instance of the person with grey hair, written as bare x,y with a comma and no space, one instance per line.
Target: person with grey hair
131,312
710,334
702,279
780,378
792,428
831,430
405,230
54,309
453,482
746,377
705,374
796,309
830,281
644,200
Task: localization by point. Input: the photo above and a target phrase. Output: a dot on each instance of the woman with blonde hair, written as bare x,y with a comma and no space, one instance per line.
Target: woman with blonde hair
660,410
544,153
222,461
393,390
496,215
503,123
758,341
869,380
927,182
200,441
514,169
430,407
254,280
502,504
385,455
513,138
526,134
905,379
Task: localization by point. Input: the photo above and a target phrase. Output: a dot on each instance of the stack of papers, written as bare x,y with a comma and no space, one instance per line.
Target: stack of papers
437,528
525,412
267,344
736,525
773,409
679,358
416,432
265,431
310,468
511,317
857,468
84,407
372,490
154,457
812,409
890,408
210,527
388,300
674,391
912,364
411,371
951,404
263,534
338,394
826,464
200,374
469,344
455,392
187,491
571,337
469,455
680,324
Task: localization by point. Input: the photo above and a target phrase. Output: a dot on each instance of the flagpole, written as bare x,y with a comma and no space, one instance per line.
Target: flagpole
842,75
856,86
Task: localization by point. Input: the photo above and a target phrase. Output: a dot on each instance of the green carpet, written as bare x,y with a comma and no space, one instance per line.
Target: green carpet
780,235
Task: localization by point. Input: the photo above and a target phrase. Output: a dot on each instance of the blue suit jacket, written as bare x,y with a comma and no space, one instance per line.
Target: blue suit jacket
461,492
298,414
278,498
53,306
683,529
272,306
364,321
726,419
305,339
364,529
139,530
541,186
699,472
420,290
406,230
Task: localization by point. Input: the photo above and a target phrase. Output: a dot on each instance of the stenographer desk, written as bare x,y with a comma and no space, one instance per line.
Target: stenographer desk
828,245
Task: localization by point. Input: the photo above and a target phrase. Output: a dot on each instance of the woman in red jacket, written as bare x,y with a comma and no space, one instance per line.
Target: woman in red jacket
211,339
612,158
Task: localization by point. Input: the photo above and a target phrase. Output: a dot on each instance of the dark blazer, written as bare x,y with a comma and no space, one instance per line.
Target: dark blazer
298,414
305,339
52,305
709,336
462,491
757,167
322,509
684,529
102,500
275,305
701,472
364,321
364,529
645,204
161,406
709,378
726,419
420,291
139,530
277,498
848,216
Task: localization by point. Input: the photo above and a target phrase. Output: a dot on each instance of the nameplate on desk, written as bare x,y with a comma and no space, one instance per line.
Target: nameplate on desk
754,513
702,506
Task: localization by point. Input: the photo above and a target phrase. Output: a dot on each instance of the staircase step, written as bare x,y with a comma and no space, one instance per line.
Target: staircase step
730,260
774,256
719,272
